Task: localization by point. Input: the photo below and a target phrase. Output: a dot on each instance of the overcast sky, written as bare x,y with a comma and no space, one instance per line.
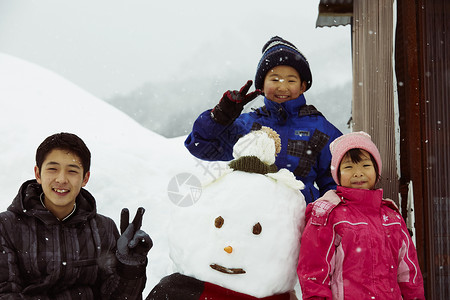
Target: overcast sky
114,46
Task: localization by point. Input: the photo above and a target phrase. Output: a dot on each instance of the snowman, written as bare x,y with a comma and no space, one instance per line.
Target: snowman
241,239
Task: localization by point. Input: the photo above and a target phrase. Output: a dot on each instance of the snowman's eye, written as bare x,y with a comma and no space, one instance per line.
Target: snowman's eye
218,222
257,228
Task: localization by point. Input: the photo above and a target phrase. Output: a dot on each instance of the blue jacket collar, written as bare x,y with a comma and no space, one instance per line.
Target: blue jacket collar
290,107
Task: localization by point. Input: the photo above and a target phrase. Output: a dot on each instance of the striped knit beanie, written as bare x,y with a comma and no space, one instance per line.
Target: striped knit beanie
277,52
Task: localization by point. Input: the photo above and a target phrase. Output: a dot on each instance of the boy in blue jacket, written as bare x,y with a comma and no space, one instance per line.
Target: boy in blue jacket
282,76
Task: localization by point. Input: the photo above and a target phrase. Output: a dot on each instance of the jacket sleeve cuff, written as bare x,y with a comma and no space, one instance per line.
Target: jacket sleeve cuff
130,268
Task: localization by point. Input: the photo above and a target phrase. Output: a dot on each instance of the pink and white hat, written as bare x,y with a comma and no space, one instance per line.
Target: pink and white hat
340,146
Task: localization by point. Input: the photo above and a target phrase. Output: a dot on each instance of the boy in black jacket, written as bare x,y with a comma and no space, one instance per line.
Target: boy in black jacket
54,245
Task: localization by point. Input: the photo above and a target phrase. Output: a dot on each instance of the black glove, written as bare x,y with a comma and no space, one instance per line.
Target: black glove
134,244
232,103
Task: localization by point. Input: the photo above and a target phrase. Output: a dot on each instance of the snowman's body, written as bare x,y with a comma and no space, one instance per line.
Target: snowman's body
242,238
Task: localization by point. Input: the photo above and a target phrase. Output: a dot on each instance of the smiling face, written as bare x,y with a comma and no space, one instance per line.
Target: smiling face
283,83
218,223
61,177
360,174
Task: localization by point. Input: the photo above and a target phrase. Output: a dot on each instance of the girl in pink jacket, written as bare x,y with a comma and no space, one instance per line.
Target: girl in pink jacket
356,244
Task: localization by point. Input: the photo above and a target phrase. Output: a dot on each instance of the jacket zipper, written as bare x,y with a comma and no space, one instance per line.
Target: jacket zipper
63,252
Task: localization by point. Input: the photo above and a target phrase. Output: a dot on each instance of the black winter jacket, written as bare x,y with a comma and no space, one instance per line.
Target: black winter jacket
44,258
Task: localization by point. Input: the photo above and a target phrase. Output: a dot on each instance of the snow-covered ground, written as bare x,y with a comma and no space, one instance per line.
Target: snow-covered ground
131,166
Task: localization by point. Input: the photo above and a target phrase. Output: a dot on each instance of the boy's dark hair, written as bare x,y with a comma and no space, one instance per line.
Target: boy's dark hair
355,155
64,141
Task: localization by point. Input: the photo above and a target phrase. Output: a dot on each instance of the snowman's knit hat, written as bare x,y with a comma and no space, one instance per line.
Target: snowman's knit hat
252,164
256,152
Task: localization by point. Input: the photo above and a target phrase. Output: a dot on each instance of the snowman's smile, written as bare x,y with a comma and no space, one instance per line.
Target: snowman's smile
227,270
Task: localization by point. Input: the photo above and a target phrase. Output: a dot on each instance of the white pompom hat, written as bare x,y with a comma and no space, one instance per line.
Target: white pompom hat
340,146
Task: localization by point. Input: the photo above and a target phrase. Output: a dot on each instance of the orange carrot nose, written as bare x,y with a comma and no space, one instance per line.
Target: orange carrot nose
228,249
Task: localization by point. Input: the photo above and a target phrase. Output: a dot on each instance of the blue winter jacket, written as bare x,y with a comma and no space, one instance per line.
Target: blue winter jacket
305,138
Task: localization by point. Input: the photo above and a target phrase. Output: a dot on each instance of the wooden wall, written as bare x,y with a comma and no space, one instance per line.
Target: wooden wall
373,108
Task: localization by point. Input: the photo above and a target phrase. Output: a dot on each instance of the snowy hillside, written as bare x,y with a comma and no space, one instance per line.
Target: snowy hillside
131,166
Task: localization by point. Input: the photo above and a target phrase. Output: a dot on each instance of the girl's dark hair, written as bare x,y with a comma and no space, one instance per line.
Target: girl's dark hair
64,141
355,155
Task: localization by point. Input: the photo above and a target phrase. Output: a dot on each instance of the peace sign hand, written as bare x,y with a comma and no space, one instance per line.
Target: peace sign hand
134,244
231,104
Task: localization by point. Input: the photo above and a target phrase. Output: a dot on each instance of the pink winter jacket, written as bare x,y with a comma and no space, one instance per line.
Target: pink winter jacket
356,246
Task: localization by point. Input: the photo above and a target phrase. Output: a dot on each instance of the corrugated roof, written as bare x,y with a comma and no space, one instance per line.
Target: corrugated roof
330,21
334,13
336,2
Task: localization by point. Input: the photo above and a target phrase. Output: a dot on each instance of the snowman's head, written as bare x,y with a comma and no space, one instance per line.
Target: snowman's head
243,233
